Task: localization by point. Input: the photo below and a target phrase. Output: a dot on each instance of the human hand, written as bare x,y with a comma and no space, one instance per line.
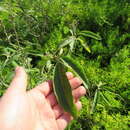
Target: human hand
36,109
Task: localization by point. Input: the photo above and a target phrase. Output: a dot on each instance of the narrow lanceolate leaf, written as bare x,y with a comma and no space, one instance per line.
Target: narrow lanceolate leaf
113,93
105,99
72,45
90,34
95,100
62,90
77,69
85,46
66,42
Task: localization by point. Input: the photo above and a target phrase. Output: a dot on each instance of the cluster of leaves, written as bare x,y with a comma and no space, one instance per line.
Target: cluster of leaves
31,30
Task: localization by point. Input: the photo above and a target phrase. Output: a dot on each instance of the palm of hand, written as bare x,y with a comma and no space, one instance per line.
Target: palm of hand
36,109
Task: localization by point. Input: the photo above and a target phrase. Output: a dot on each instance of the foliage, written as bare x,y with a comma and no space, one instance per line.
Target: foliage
62,89
31,30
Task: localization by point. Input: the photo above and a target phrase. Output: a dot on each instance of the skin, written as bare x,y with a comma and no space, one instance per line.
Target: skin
36,109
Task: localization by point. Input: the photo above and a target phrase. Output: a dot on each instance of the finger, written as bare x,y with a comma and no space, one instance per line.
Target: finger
69,75
63,121
58,110
19,81
51,99
45,87
79,92
75,82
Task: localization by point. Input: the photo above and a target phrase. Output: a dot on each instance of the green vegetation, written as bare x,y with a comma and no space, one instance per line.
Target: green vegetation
62,90
96,35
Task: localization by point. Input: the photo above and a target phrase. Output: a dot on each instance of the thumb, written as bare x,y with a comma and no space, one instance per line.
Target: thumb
19,81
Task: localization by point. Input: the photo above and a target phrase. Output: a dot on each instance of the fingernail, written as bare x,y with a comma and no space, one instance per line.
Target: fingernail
78,80
68,73
17,68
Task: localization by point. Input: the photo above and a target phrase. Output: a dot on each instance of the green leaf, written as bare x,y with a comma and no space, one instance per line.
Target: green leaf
62,90
77,68
86,47
72,45
3,13
14,63
95,100
66,42
113,93
105,99
90,34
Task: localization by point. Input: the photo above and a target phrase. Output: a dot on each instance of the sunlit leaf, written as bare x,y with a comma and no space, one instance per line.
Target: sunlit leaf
66,42
3,9
61,51
3,13
14,63
86,47
90,34
72,45
95,100
77,68
62,90
112,93
105,99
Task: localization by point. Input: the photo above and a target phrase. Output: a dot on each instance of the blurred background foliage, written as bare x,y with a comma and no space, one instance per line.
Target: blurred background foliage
30,31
